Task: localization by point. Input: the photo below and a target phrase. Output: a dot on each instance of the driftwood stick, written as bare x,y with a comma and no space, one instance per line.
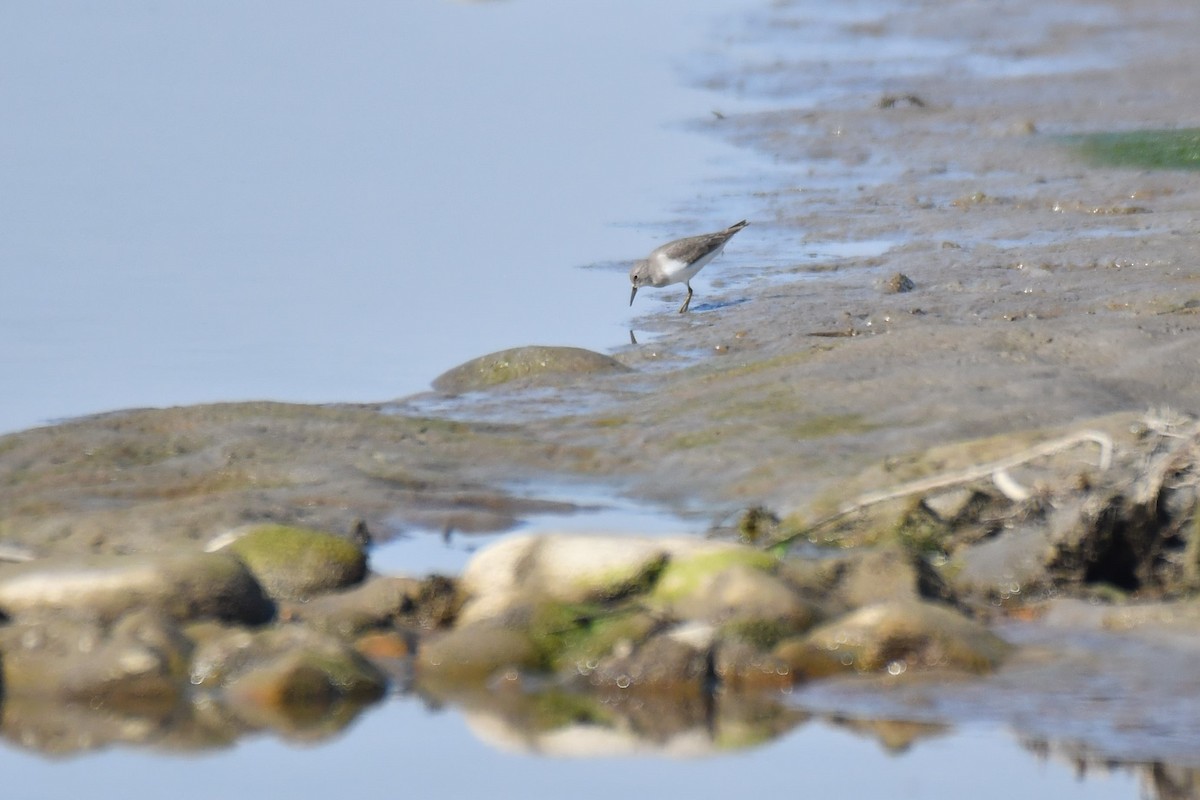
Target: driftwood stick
947,479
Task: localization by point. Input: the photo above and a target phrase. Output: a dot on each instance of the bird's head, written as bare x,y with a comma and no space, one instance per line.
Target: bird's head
638,276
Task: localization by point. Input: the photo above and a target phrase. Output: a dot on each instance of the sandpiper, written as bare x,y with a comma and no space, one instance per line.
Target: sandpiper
679,261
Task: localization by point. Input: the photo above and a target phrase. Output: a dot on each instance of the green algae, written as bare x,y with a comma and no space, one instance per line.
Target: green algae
523,362
1141,149
683,576
292,562
580,634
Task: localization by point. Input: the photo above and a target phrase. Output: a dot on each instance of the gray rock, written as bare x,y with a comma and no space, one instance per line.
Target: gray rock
1008,565
886,573
898,636
379,602
522,570
475,652
664,663
182,586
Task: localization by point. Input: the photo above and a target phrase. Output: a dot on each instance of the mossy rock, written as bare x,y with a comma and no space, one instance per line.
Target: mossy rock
689,572
297,563
575,638
524,362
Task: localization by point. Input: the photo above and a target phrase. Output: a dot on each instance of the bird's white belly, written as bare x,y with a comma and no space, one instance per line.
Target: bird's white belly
676,271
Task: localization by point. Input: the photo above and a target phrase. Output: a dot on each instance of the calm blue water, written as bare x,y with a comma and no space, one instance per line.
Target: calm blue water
401,750
326,202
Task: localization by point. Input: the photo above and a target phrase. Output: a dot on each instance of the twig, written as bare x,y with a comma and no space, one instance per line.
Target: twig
947,479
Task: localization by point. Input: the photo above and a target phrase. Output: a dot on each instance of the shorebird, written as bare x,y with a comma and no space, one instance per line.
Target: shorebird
679,261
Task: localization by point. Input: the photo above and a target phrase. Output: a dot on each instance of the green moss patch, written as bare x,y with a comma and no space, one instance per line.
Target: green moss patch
684,576
295,563
579,634
1145,149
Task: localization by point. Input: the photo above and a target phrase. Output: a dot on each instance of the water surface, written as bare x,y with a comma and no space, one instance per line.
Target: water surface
325,203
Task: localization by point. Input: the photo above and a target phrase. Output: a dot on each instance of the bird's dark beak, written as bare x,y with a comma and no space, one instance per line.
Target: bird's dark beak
632,295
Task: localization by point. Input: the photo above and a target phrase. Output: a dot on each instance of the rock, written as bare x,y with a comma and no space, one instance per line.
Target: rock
733,586
898,636
385,646
282,666
379,602
742,667
574,643
897,283
886,573
297,563
475,652
741,597
806,661
664,664
182,586
141,660
523,362
526,570
1008,565
694,562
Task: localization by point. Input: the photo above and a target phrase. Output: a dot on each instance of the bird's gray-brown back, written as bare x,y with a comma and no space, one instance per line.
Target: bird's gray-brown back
694,248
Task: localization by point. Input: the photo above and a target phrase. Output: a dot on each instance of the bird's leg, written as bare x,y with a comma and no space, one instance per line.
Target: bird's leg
688,300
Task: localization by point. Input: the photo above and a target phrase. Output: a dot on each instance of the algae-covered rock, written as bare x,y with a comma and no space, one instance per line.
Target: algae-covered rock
730,585
741,597
523,362
296,563
183,586
899,636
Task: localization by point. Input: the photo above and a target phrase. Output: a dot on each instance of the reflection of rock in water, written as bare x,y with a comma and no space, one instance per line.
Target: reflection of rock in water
894,736
1167,782
554,723
1159,780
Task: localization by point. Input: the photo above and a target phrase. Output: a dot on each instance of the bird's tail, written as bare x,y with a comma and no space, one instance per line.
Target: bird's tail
737,226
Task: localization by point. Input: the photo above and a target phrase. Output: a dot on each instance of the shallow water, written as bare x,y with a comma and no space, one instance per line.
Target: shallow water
317,205
424,552
402,749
